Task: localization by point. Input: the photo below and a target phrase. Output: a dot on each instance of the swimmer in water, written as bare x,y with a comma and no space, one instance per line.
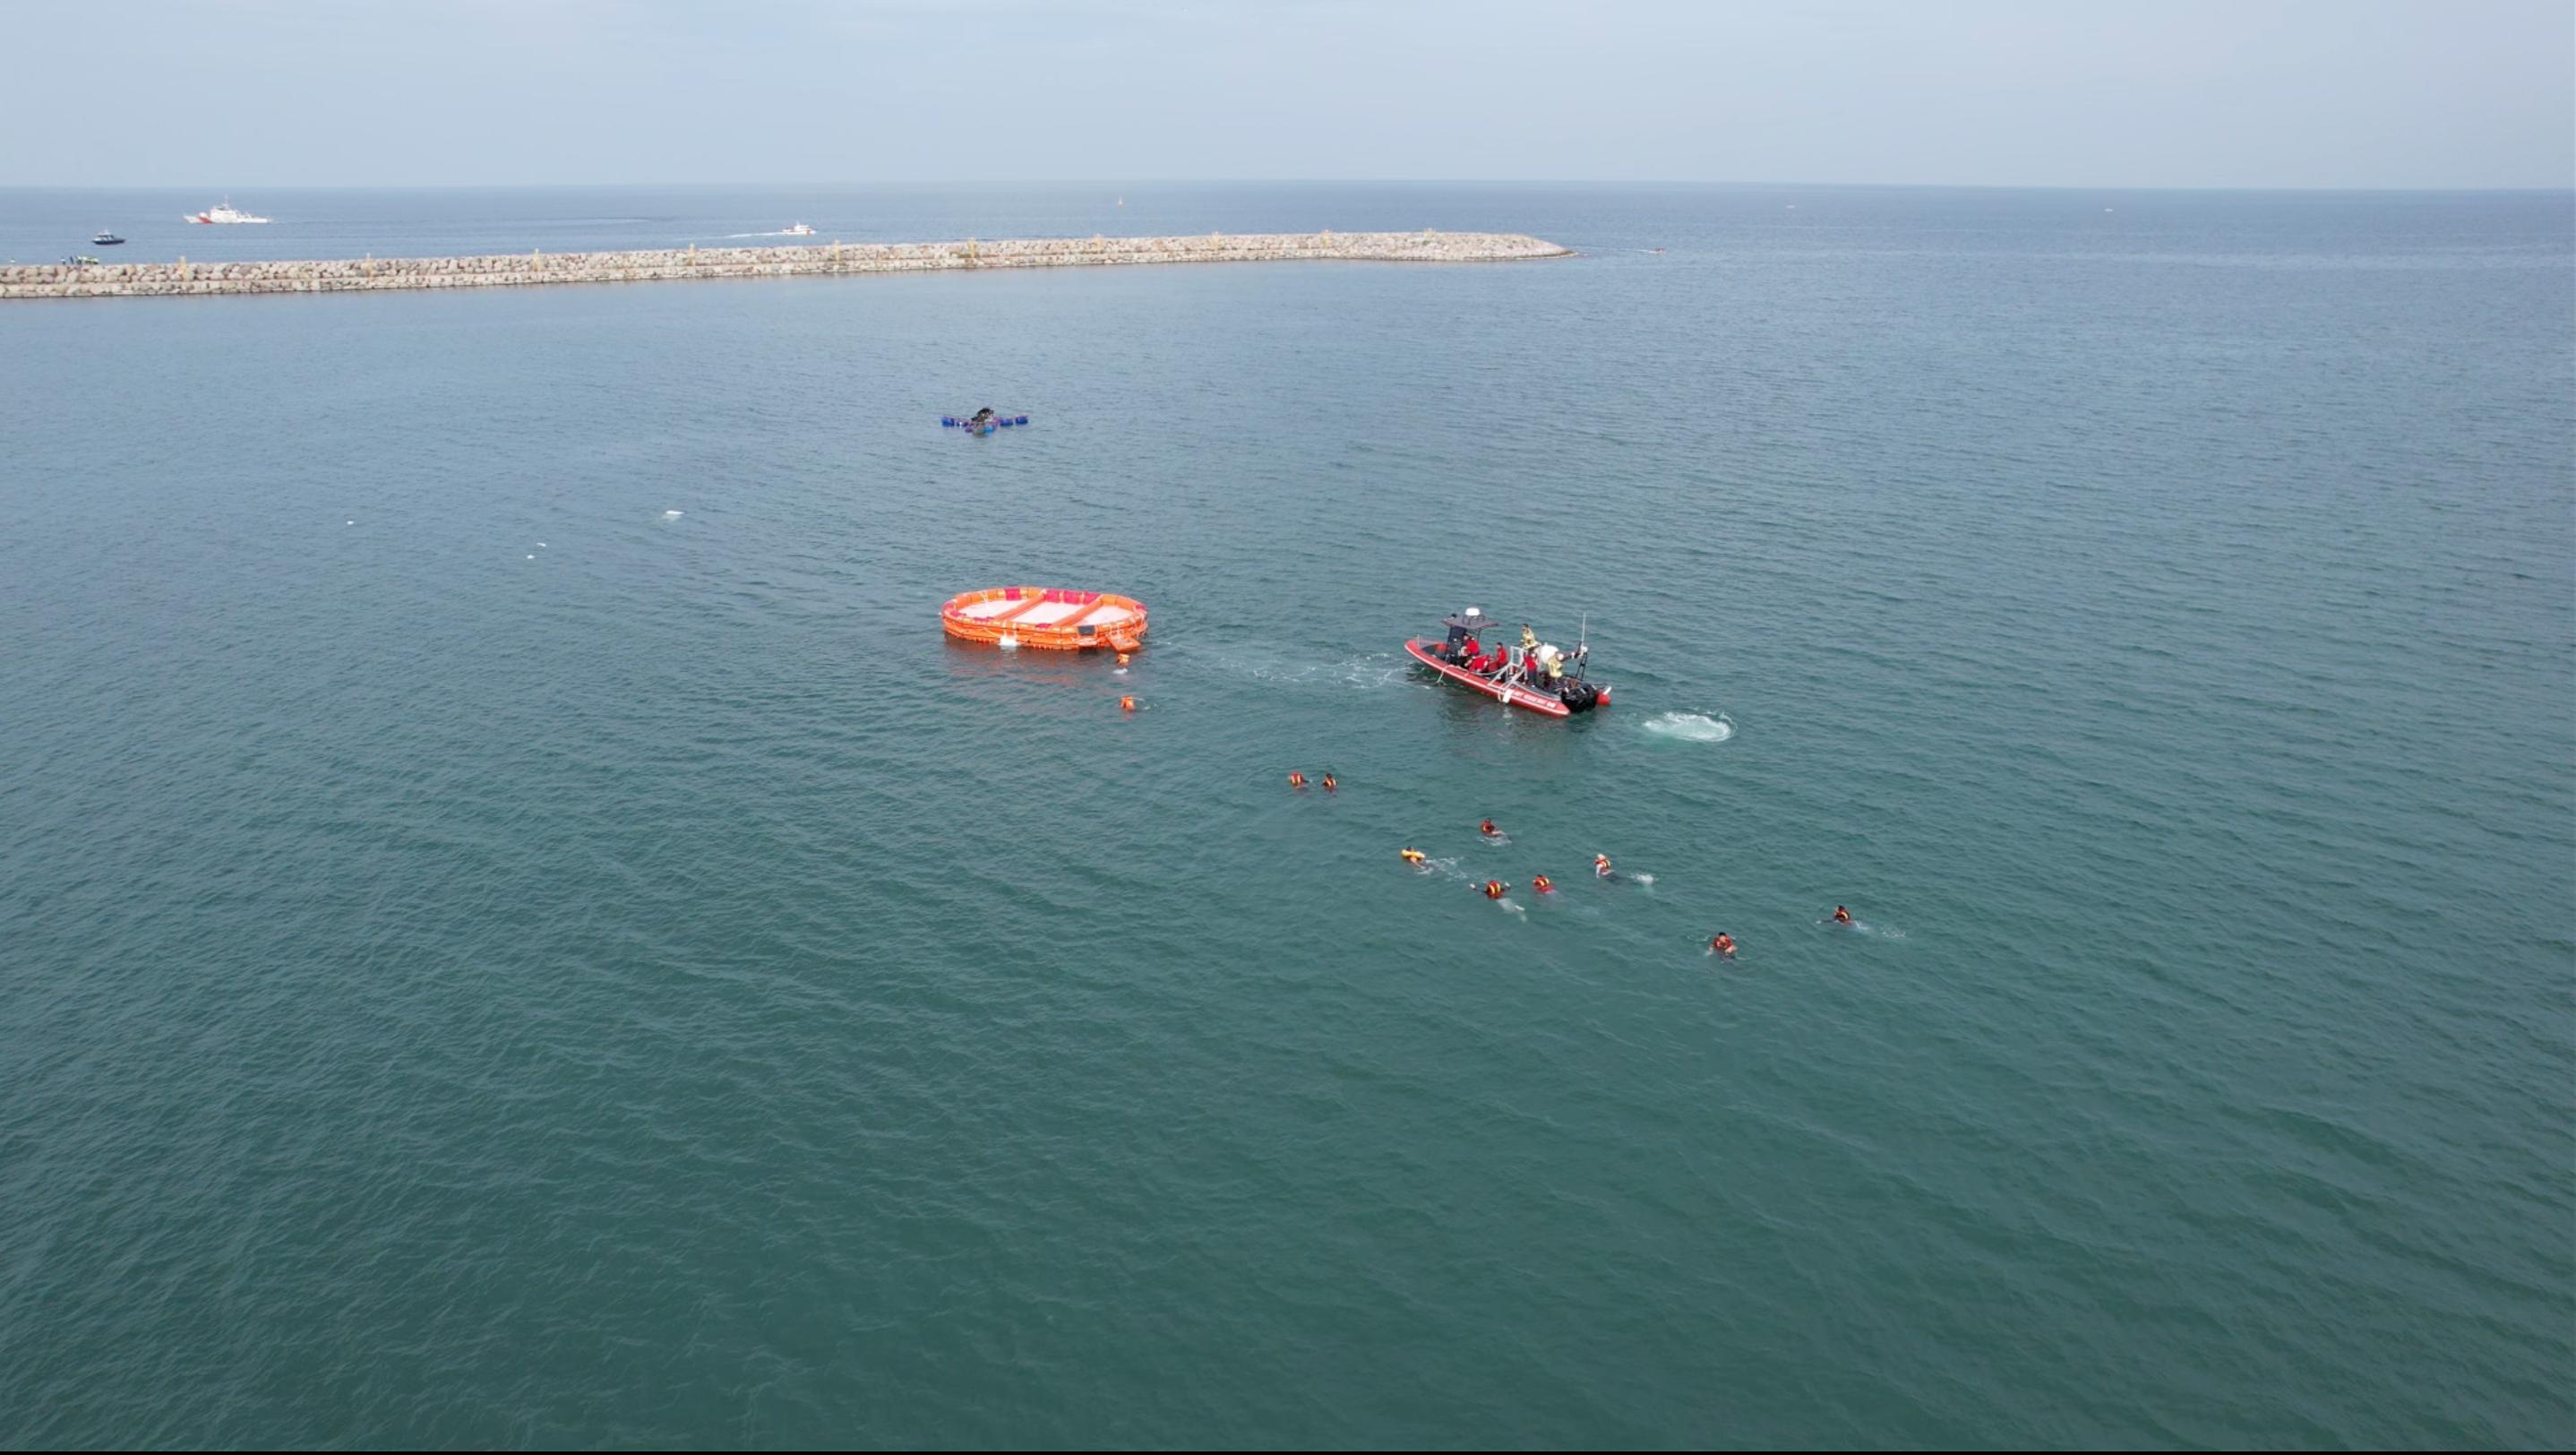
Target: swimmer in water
1842,916
1331,783
1495,888
1414,856
1296,780
1601,866
1542,885
1487,828
1722,944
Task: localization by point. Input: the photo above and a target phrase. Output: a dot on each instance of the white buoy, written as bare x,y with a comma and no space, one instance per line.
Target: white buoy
353,522
532,558
670,515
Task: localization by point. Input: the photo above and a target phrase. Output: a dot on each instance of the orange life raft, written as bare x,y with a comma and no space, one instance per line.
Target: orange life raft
1046,616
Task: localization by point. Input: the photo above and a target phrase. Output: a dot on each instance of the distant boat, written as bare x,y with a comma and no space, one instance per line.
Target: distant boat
224,212
799,230
105,239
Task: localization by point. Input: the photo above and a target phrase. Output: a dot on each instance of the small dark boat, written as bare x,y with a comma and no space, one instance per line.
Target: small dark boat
1511,675
105,239
982,421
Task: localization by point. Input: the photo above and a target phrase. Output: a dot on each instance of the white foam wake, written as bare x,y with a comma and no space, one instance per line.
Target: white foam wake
1691,727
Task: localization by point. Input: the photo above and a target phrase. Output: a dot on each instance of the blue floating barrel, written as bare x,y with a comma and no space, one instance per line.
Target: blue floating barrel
947,421
1023,419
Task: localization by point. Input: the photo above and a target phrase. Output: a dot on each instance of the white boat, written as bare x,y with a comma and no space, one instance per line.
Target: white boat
799,230
225,212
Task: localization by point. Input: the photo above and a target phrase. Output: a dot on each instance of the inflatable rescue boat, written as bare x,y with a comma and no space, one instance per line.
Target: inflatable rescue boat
1539,678
1047,617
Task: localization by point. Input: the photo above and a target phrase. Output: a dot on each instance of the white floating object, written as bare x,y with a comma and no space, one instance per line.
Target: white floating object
532,558
1008,643
353,522
670,515
541,545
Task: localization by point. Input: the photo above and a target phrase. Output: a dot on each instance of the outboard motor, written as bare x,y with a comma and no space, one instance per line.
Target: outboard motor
1579,696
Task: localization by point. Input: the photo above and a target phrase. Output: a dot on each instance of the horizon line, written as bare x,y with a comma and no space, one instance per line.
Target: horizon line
998,182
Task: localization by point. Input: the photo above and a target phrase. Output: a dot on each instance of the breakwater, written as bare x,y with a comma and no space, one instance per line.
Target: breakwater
339,275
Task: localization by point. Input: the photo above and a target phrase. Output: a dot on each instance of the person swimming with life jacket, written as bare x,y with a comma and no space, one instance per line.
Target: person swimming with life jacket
1543,885
1488,830
1723,944
1296,780
1601,866
1415,857
1842,916
1331,783
1496,889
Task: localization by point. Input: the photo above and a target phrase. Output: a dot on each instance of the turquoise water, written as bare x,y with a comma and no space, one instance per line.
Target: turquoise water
648,988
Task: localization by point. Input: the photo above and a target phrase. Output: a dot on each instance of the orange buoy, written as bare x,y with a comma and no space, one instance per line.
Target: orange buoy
1048,617
1127,704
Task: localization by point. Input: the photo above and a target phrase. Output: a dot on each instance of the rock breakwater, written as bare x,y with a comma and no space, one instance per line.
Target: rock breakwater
337,275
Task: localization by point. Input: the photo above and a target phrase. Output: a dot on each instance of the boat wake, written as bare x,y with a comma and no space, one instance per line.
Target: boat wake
1691,727
1360,674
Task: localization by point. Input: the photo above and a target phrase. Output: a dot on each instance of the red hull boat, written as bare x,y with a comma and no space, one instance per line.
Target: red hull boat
1520,685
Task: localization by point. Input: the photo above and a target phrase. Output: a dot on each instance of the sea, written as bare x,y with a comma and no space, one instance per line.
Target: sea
518,930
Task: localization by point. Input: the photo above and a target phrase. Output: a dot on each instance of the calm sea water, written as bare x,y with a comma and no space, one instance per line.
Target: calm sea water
485,961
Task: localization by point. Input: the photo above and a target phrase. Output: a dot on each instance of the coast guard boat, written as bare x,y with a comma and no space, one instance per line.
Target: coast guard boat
224,212
1533,675
799,230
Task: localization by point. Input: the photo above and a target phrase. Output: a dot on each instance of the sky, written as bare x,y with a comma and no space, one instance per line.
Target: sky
2088,93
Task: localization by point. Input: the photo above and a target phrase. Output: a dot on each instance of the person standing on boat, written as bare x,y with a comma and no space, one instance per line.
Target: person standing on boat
1468,649
1529,640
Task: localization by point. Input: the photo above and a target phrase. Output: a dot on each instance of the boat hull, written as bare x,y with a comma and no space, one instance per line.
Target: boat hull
1544,704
